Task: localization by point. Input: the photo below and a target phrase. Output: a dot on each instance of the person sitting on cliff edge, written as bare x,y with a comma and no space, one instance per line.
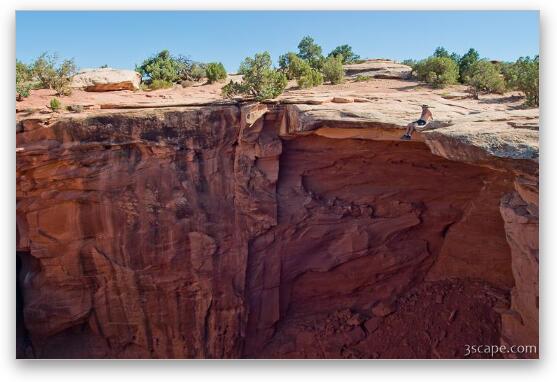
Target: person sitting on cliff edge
424,119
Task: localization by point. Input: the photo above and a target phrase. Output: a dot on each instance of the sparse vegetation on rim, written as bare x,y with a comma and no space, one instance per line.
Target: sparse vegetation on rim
308,67
164,68
49,73
215,72
333,71
348,56
260,80
437,71
23,78
55,104
523,75
484,77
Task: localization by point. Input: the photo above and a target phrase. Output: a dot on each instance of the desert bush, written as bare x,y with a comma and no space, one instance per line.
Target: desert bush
55,104
52,75
524,75
284,62
293,66
215,72
260,80
310,78
437,71
362,78
63,79
311,52
23,72
165,67
333,71
484,77
22,90
160,84
197,71
466,62
75,108
44,70
441,52
299,69
348,56
23,77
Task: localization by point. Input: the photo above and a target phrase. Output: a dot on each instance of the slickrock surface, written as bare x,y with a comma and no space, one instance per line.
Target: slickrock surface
295,228
379,68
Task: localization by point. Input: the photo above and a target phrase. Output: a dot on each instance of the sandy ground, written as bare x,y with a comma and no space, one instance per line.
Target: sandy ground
206,93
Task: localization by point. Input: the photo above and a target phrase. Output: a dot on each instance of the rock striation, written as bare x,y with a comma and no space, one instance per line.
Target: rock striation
274,231
378,68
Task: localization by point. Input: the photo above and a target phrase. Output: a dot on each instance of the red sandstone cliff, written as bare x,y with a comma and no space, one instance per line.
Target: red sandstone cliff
269,231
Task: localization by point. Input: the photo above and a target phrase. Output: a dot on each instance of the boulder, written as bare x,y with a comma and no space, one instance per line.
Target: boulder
106,79
378,69
342,99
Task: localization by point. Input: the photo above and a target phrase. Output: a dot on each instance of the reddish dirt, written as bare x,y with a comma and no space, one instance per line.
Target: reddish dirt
433,320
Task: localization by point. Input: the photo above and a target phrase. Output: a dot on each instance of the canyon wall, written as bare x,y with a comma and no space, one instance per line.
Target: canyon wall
231,231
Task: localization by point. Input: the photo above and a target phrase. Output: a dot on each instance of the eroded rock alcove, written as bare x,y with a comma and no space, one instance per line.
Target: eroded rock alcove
247,231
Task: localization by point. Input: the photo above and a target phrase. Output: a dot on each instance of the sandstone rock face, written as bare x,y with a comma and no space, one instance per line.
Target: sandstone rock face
274,231
106,79
520,324
378,68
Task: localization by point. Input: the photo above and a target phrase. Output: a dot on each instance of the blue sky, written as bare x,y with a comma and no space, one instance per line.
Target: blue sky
123,39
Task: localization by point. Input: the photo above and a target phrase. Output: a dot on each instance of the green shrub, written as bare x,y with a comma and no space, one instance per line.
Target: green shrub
310,78
524,75
63,79
23,77
160,84
260,80
51,75
348,56
299,69
293,66
455,57
362,78
483,77
196,72
233,89
22,90
284,62
441,52
466,62
44,70
23,73
311,52
437,71
166,67
215,72
333,71
55,104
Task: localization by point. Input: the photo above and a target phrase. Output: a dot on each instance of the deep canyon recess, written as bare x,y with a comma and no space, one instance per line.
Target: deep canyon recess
239,231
